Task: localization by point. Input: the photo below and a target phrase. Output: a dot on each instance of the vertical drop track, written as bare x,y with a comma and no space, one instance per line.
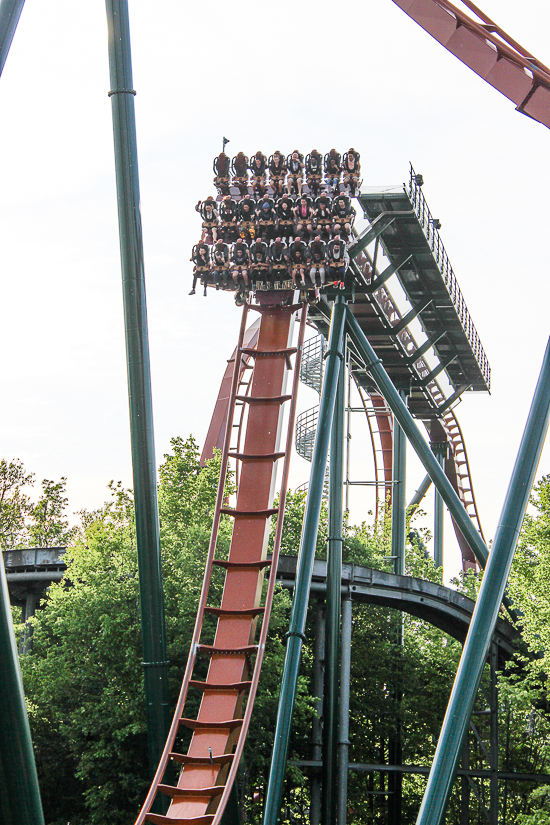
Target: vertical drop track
209,767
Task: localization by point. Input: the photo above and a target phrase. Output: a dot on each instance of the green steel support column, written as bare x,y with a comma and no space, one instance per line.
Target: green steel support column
482,624
10,12
493,709
316,723
398,537
345,670
333,608
420,493
139,381
304,570
422,449
439,449
19,792
398,501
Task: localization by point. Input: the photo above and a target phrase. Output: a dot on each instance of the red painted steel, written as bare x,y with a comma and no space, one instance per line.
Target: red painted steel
457,469
486,49
218,732
216,431
380,424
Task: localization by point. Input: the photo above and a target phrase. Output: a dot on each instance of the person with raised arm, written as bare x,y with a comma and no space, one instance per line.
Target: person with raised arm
209,214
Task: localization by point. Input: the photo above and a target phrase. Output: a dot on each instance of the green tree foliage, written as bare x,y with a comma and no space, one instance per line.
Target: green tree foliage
48,526
24,524
530,577
84,682
15,505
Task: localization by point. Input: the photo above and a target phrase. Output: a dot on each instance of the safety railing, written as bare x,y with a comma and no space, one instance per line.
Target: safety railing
306,426
430,228
311,367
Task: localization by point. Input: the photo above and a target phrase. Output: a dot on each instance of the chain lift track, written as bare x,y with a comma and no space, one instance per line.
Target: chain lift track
209,768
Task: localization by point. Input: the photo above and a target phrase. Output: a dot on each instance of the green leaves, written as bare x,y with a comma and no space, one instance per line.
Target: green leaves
83,679
24,524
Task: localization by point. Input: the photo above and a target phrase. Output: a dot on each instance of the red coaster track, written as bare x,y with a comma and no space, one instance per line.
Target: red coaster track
209,767
486,49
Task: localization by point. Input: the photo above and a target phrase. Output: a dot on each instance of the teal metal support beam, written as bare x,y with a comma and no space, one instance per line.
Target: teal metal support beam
383,381
419,494
369,236
139,381
482,624
333,608
19,792
418,353
398,500
10,12
427,379
452,398
345,674
398,539
386,275
439,449
379,225
410,316
304,570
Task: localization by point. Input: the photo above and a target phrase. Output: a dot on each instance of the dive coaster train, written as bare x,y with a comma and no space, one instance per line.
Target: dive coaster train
273,235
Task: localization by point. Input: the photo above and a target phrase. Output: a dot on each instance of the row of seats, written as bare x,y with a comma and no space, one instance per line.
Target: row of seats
288,174
271,265
301,217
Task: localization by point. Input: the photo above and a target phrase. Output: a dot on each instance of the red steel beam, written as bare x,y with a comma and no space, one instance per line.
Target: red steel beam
210,764
488,51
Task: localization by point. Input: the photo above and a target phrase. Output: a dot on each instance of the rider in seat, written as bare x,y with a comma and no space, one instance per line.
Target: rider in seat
239,167
220,263
317,257
266,216
258,169
278,260
314,172
259,260
241,260
228,215
200,256
298,254
303,213
333,170
277,173
323,216
209,213
343,215
352,170
285,214
247,218
222,168
295,166
338,260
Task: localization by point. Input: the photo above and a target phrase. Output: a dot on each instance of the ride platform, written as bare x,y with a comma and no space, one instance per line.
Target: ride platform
401,223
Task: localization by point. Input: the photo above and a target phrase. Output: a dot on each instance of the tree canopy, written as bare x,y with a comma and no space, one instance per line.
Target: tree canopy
24,524
83,679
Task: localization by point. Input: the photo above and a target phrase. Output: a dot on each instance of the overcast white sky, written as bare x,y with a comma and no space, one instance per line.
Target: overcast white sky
360,74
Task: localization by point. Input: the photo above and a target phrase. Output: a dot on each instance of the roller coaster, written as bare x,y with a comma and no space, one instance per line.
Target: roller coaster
400,231
348,295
